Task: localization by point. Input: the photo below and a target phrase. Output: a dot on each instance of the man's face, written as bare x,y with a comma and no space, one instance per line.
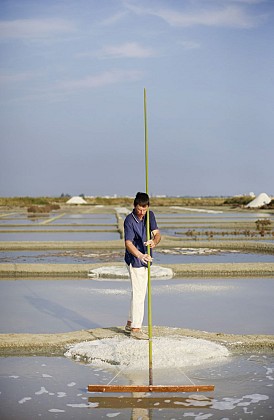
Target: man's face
140,211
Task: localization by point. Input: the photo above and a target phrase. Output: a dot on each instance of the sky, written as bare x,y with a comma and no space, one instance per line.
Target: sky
72,79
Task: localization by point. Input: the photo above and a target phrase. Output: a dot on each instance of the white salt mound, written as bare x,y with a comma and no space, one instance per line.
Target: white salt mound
76,200
259,201
121,272
168,352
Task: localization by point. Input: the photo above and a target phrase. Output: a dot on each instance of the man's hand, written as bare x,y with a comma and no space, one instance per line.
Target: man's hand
145,258
151,243
156,237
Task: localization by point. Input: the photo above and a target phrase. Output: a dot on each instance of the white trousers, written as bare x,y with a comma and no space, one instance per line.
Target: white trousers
138,279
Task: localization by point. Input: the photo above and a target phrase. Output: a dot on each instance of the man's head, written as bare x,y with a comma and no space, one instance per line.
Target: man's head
141,204
141,199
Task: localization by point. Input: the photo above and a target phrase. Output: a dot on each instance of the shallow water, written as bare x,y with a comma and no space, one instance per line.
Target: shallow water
28,222
65,218
216,256
57,228
59,236
61,257
203,216
41,387
83,227
94,256
86,218
239,306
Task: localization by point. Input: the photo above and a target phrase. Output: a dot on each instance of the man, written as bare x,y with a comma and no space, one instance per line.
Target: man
136,258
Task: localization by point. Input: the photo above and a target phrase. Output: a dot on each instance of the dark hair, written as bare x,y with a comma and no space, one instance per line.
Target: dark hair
141,199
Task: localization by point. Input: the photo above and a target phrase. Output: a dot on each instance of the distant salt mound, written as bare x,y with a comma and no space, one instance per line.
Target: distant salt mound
168,352
120,272
259,201
76,200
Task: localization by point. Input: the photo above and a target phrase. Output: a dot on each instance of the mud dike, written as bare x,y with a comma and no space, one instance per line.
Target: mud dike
58,344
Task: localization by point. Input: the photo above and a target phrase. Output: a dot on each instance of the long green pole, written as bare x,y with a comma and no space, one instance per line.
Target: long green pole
148,249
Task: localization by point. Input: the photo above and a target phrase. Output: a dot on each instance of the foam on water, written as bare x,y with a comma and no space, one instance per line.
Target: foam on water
56,410
168,352
245,401
23,400
42,391
241,388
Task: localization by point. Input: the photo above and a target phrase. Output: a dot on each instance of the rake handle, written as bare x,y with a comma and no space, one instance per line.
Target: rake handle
148,250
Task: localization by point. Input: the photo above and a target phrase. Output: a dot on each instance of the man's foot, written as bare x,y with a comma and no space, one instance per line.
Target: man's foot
139,335
127,329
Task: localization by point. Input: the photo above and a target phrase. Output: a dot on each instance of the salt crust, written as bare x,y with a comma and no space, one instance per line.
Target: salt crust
168,352
121,272
196,251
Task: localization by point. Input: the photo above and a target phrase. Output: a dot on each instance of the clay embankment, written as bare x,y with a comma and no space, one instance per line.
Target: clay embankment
56,344
207,270
166,242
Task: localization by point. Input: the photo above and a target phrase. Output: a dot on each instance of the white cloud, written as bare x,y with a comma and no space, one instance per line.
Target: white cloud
228,17
34,28
103,79
247,1
233,16
128,50
114,19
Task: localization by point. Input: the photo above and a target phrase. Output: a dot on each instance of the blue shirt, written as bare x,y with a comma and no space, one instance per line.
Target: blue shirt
135,231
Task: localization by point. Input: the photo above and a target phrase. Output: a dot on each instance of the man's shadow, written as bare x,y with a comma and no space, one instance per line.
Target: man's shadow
61,313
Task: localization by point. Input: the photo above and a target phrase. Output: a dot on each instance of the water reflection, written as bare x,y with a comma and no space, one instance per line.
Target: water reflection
142,405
